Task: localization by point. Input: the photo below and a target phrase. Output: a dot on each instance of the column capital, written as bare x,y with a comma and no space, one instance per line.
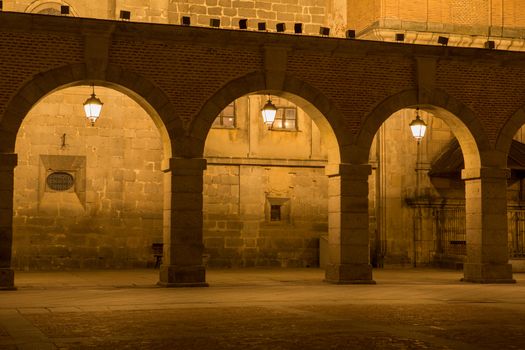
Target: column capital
8,160
484,173
184,166
348,170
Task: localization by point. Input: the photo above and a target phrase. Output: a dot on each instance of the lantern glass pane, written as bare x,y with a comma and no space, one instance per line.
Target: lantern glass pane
418,130
268,115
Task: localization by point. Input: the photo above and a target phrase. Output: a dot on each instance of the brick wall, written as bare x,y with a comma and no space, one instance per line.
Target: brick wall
171,66
354,71
355,80
27,54
487,91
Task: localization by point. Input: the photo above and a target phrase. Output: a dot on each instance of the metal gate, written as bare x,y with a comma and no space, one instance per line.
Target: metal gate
451,231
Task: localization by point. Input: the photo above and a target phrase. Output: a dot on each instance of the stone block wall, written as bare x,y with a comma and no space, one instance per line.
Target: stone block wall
251,168
239,228
312,13
497,13
113,212
394,184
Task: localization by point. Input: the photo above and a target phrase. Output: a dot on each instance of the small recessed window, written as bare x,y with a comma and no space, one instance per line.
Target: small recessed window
275,212
226,119
60,181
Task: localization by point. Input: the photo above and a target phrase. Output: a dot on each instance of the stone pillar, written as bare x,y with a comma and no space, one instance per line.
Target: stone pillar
348,240
486,223
183,247
7,166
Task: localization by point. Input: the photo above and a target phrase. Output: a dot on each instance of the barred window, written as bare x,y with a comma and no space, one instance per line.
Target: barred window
60,181
227,117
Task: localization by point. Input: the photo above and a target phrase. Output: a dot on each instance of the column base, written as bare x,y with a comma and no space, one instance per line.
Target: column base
7,279
487,273
349,274
182,276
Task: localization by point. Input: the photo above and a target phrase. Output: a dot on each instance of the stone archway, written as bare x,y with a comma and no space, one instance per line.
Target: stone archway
484,176
347,264
145,93
322,111
87,196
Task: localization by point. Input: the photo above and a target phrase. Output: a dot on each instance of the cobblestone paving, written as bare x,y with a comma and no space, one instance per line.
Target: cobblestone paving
290,327
274,311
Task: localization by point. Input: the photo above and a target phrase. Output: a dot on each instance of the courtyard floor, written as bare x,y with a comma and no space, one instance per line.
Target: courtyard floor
261,309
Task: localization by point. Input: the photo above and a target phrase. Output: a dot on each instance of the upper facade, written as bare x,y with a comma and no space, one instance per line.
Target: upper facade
465,22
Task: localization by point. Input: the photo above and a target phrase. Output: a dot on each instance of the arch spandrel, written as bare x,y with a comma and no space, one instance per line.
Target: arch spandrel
507,132
323,112
145,93
476,148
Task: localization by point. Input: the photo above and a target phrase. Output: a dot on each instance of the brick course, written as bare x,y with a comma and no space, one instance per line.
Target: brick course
190,65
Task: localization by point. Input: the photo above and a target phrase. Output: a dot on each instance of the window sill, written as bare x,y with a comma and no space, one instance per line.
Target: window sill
225,127
284,130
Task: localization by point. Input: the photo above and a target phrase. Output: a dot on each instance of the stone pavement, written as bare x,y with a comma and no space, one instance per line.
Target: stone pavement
261,309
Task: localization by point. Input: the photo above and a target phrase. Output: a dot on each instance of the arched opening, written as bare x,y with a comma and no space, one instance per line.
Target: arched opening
265,187
511,143
417,195
87,196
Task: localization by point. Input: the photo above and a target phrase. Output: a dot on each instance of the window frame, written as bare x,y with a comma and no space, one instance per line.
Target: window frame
221,116
281,118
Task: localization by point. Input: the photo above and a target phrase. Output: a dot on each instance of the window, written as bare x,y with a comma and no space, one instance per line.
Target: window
275,212
226,119
60,181
285,119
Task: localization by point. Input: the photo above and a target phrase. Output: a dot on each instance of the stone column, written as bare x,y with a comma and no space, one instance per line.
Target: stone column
183,247
7,166
348,240
486,223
